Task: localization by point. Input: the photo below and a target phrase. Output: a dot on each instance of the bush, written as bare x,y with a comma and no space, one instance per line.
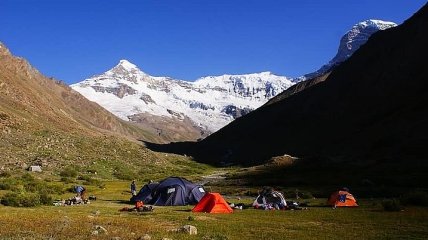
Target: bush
5,185
27,178
70,189
5,174
67,180
69,172
9,184
415,198
391,205
93,171
22,199
28,191
46,199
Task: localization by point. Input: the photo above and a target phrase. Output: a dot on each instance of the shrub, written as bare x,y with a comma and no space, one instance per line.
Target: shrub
48,180
416,198
27,178
391,205
10,199
69,172
46,199
21,199
28,191
67,180
5,185
9,184
33,186
5,174
70,189
93,171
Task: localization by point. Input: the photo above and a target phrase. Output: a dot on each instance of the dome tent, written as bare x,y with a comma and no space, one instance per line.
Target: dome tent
212,203
145,193
342,198
172,191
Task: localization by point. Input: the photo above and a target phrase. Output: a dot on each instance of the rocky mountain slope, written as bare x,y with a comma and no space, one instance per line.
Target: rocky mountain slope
369,117
176,109
43,121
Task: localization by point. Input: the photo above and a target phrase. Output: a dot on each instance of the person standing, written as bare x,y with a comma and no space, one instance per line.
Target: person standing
133,188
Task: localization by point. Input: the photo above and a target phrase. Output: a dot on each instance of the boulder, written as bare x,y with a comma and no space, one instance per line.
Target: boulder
189,229
145,237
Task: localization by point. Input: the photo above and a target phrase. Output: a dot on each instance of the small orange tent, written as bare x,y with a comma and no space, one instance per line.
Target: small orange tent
342,199
212,203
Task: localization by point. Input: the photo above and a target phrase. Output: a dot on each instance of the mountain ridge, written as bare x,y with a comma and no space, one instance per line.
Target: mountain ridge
208,103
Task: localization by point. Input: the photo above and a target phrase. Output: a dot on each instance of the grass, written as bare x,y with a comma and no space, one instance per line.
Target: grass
369,221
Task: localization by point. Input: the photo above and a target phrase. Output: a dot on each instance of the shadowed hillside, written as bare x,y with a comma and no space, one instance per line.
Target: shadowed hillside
370,113
298,87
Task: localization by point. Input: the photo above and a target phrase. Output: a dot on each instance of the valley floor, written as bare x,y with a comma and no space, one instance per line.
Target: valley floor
368,221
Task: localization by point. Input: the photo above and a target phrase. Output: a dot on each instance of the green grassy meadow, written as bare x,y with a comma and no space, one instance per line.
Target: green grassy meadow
368,221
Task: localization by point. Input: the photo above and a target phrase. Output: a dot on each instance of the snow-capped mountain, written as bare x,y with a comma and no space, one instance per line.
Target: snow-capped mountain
184,110
349,43
209,102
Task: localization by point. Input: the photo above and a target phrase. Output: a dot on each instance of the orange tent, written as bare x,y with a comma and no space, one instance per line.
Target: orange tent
212,203
342,199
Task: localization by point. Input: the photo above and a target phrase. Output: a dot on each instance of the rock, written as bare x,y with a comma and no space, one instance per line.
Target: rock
96,213
145,237
95,232
115,238
166,238
189,229
100,229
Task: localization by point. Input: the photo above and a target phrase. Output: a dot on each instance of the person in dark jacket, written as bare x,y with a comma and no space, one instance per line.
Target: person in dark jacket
133,188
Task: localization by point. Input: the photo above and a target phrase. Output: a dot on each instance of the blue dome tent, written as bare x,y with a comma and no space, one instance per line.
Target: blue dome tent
172,191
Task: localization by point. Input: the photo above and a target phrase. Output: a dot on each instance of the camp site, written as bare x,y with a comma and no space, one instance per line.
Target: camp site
213,120
216,210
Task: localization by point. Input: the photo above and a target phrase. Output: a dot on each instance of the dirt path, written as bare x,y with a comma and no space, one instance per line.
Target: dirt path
213,177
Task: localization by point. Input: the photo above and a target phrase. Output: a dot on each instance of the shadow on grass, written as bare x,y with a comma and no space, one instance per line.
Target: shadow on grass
319,206
119,201
183,210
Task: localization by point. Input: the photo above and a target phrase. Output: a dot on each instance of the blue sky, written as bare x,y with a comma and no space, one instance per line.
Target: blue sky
185,39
